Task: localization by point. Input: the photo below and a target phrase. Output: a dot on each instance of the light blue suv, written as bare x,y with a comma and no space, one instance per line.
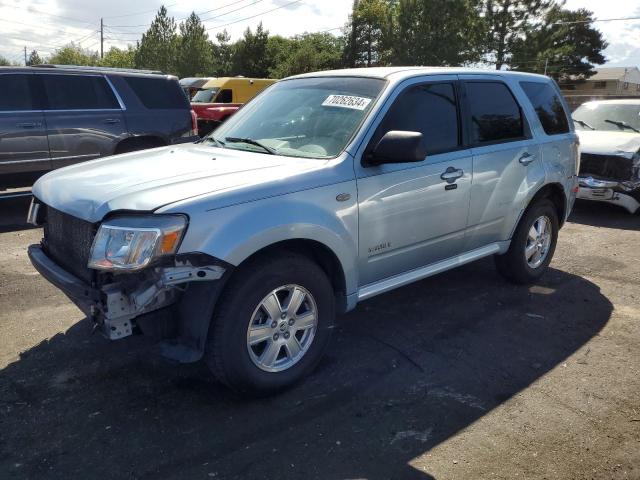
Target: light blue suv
325,190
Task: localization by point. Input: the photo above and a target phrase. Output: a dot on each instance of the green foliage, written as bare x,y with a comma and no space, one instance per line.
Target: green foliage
507,22
562,49
250,54
158,47
73,54
119,58
437,32
194,54
370,31
4,62
222,55
34,58
305,53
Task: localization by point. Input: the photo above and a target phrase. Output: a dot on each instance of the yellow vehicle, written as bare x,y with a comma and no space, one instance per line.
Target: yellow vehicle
219,98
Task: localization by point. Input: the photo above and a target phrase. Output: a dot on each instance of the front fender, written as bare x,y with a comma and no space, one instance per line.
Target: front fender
235,233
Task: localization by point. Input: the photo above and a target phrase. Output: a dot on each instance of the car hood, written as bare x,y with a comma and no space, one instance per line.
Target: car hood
148,180
602,142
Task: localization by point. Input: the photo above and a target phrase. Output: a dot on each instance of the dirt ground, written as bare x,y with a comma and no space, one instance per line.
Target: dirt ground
461,376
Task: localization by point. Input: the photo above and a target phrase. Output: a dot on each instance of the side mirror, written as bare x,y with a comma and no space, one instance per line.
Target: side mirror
397,147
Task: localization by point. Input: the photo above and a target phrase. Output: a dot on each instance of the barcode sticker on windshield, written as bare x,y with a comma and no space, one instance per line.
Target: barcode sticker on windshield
346,101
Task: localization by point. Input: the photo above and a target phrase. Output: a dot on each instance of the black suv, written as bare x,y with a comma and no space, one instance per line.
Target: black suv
53,116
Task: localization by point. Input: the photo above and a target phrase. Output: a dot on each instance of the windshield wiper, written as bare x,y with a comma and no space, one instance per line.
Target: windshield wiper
583,123
251,141
211,138
622,124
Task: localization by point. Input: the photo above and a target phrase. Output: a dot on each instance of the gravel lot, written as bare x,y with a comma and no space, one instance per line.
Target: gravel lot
461,376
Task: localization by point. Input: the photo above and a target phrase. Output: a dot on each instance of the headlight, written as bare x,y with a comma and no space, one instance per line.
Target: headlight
132,242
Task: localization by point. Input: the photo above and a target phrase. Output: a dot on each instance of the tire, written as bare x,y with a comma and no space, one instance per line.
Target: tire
242,305
515,265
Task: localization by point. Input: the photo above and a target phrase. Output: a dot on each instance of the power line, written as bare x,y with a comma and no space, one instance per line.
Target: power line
254,16
33,10
140,13
597,20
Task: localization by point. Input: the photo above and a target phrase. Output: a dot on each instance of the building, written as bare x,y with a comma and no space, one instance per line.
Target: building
615,82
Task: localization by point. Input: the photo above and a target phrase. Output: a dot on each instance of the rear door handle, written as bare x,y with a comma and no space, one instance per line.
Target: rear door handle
112,120
28,125
451,174
526,158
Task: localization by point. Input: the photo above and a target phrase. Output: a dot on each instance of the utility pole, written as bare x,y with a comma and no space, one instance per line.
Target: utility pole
25,56
546,63
101,39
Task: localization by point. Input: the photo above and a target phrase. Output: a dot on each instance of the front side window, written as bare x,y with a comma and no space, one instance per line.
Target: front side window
621,117
304,117
430,109
76,92
548,106
495,114
15,94
205,95
225,96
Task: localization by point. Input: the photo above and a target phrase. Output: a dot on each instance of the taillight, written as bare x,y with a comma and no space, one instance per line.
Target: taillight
194,123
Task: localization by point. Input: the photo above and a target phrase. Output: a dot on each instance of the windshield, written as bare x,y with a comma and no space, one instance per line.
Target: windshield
204,96
306,117
607,116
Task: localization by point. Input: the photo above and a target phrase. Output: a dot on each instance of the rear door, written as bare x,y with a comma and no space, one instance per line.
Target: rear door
23,137
506,159
84,117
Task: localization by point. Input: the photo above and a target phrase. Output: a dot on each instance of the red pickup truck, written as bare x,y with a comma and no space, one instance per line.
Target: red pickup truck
219,98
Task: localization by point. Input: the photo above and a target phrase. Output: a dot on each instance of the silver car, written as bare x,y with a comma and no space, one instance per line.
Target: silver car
325,190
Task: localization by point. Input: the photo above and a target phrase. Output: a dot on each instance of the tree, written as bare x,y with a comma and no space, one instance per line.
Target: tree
437,32
119,58
507,22
34,58
4,62
157,49
304,53
222,55
369,31
250,53
194,50
73,54
565,45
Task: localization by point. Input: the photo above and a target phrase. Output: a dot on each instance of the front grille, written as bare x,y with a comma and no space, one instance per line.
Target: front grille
610,167
68,240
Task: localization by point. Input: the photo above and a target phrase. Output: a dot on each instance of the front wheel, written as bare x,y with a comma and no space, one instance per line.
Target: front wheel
272,325
532,245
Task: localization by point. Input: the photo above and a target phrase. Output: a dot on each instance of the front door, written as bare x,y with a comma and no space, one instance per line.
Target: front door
415,214
84,118
23,135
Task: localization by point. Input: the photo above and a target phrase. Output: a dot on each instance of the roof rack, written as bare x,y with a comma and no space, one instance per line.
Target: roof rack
101,69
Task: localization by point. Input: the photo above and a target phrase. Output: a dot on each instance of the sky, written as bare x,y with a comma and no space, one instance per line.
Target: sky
46,25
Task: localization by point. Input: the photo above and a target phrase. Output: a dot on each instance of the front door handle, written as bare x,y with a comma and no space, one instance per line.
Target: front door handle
451,174
526,158
112,120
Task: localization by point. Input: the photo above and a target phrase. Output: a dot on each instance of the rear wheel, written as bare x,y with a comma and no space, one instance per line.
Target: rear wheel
272,325
532,246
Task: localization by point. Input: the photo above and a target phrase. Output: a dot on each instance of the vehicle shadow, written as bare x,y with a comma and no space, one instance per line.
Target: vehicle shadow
598,214
13,213
406,371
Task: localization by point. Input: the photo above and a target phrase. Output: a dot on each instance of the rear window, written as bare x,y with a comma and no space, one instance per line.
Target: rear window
548,106
495,114
76,92
159,92
204,96
15,94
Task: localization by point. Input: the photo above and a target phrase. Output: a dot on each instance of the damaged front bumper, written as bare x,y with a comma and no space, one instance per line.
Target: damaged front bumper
624,194
114,306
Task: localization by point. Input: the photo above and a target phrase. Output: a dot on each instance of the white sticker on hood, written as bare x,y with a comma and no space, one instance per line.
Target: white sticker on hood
346,101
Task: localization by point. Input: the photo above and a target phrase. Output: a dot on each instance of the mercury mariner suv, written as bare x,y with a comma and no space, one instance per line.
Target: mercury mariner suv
323,191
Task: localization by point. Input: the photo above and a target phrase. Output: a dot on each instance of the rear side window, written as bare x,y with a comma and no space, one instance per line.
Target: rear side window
15,94
495,114
158,92
548,106
430,109
76,92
